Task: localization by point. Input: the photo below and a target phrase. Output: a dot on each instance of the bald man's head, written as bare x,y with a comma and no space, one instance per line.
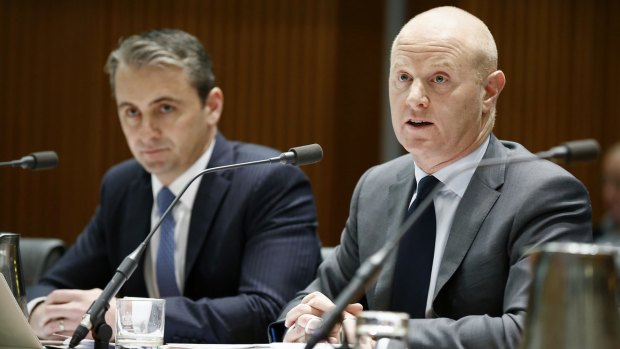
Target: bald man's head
451,23
444,86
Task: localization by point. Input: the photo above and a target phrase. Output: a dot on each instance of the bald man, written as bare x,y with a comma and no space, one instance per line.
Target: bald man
464,278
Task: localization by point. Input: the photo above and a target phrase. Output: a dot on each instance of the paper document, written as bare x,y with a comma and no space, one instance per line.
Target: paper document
248,346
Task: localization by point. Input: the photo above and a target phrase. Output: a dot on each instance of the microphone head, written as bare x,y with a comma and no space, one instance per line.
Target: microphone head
582,150
41,160
306,154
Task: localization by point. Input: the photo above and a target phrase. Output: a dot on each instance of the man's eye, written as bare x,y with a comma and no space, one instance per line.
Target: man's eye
166,108
440,79
403,77
132,112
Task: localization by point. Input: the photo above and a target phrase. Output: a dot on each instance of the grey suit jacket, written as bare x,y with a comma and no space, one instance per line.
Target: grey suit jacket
482,287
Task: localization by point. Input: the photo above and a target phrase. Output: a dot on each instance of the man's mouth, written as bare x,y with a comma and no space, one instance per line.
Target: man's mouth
418,123
152,151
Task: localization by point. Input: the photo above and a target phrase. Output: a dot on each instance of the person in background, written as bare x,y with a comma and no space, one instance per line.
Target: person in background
238,244
462,270
608,229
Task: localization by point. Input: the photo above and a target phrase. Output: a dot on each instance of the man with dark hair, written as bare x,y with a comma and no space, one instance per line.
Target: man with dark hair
238,244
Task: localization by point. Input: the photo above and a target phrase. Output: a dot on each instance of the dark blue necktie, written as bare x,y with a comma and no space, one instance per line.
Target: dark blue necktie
166,279
412,273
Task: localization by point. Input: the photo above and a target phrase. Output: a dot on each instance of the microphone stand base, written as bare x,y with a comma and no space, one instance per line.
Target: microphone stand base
102,333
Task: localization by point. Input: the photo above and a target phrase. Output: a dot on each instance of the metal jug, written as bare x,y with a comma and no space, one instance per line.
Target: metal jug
572,298
10,267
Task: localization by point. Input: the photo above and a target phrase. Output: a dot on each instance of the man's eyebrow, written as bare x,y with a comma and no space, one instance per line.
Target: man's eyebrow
399,63
443,64
123,104
158,100
164,99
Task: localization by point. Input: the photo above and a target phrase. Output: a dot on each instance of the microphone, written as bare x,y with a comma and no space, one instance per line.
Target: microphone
94,318
42,160
303,155
574,151
366,274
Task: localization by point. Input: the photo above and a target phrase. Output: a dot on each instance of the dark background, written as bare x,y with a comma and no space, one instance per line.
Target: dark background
293,72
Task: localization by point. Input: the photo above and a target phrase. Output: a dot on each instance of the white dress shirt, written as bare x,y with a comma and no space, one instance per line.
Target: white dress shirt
182,214
446,200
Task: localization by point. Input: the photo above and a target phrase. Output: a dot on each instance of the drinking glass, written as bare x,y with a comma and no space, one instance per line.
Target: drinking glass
375,328
139,323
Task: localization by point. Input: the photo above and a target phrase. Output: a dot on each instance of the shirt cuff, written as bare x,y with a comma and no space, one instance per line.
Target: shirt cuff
33,303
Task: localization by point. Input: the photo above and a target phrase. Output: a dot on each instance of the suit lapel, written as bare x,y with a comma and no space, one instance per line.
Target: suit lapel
211,191
139,204
399,195
479,198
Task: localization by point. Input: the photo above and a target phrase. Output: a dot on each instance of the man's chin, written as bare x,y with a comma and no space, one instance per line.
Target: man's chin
154,167
421,151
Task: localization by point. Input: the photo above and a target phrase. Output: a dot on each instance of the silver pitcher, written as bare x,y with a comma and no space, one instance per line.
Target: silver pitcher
10,267
572,298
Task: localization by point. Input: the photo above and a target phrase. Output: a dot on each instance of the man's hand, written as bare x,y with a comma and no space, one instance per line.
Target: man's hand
62,311
309,311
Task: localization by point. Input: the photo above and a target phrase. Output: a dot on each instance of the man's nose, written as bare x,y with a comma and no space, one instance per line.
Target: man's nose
149,127
417,98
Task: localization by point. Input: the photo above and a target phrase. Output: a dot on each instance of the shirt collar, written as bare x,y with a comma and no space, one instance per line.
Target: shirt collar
177,185
457,182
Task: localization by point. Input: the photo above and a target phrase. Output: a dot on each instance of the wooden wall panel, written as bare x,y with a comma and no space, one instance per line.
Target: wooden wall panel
293,72
278,62
561,62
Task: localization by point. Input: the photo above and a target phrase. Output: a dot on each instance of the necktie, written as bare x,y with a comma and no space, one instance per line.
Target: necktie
414,261
166,279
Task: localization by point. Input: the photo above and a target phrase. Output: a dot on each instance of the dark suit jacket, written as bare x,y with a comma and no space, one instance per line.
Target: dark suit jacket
252,244
481,293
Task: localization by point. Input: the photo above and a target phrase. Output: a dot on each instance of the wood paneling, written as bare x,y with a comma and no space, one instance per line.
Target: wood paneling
286,67
293,72
290,70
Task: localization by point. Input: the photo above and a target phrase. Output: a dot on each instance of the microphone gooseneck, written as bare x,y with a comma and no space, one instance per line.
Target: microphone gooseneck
366,274
42,160
95,314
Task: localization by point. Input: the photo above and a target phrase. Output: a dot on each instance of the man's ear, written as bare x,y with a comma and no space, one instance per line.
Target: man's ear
214,105
493,87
